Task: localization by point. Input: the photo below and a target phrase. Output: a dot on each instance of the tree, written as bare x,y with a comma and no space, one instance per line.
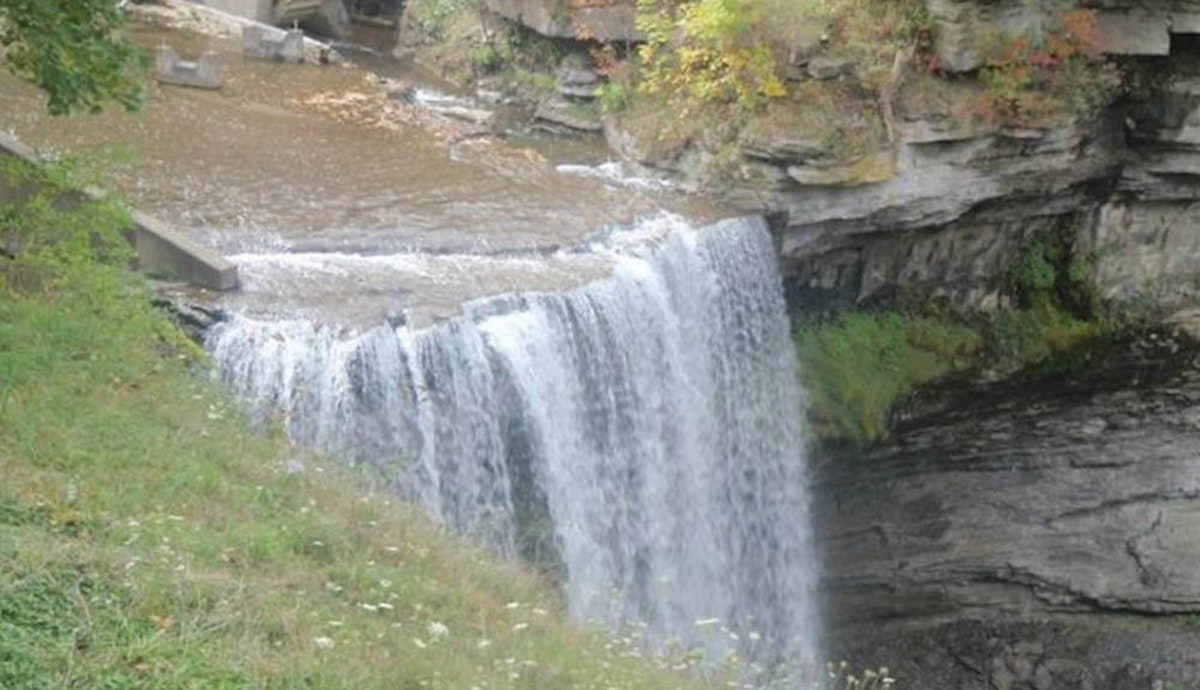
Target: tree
73,50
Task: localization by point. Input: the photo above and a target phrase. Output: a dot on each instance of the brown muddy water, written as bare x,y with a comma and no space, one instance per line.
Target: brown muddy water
339,203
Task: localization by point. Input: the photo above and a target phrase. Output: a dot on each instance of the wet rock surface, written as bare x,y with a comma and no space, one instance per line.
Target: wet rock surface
1026,534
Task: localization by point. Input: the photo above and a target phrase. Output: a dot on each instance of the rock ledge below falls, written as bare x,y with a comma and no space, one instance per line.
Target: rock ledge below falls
1026,534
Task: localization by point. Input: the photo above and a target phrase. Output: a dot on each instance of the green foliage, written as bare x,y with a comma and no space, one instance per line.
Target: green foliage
73,50
614,96
50,229
1034,273
705,51
1049,274
1060,313
434,17
486,57
857,365
1044,337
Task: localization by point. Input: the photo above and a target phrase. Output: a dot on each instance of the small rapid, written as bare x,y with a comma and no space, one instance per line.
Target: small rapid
640,433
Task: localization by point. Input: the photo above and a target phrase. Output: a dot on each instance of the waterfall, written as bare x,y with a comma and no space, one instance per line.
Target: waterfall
640,432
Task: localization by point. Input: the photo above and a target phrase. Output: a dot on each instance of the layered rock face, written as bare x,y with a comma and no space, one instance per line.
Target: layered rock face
1026,536
961,205
1146,238
955,215
944,207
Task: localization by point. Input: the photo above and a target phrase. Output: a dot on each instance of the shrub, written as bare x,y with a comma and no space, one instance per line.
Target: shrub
706,51
1062,71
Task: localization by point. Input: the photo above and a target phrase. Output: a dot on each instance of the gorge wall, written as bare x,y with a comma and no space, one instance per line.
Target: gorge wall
1026,535
1017,536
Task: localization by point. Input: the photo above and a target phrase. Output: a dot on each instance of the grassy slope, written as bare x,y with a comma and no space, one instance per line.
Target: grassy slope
147,539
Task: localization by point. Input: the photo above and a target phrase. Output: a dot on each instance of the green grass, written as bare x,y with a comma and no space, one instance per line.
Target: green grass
148,539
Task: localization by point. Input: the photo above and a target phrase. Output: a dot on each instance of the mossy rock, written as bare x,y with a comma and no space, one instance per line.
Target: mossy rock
869,169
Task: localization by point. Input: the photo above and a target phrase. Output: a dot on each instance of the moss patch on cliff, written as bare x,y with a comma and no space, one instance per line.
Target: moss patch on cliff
856,365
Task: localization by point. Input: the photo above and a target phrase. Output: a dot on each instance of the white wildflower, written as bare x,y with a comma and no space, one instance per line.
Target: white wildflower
437,630
419,643
520,626
323,642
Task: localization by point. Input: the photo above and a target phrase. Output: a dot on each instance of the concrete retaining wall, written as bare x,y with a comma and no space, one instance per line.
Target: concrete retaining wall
161,250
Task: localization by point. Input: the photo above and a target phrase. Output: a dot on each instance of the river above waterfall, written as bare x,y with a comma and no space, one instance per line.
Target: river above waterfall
316,163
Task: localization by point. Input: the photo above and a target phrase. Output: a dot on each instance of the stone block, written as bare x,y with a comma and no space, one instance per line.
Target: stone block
204,73
261,43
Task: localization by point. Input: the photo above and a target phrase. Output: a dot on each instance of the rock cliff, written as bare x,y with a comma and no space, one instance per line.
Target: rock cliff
944,207
961,204
1026,535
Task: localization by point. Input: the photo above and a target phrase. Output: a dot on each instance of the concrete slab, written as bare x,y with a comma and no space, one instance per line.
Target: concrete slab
204,73
262,43
164,252
161,250
258,10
